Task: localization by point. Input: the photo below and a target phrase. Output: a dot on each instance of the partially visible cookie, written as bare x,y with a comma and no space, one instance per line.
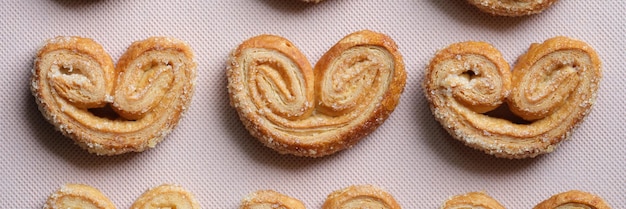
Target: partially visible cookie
268,199
78,196
312,1
360,196
573,200
512,7
472,200
166,196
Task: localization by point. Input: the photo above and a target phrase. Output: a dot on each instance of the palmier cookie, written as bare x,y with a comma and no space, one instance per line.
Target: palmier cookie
360,196
472,200
512,7
78,196
572,200
112,110
552,87
166,196
294,108
268,199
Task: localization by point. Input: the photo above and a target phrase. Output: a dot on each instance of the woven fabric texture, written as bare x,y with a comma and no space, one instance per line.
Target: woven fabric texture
212,155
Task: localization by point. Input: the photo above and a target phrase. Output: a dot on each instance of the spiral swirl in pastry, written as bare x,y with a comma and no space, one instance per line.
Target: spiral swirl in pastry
360,196
112,110
78,196
268,199
573,200
166,196
295,109
472,200
552,87
512,7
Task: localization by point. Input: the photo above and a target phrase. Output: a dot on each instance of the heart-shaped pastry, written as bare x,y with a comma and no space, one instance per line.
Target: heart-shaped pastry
552,87
87,197
566,200
293,108
512,7
112,110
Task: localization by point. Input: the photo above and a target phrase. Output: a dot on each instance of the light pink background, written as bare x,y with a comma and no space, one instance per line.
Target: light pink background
213,156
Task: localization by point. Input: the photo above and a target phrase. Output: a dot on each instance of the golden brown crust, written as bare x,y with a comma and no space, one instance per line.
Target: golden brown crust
166,196
512,7
573,199
268,199
78,196
553,86
472,200
77,88
293,109
360,196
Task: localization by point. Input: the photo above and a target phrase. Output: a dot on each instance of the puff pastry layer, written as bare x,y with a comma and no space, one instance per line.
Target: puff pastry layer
294,108
512,7
268,199
360,196
112,110
552,87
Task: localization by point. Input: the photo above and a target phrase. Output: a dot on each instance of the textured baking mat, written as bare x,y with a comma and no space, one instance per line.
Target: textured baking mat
213,156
